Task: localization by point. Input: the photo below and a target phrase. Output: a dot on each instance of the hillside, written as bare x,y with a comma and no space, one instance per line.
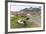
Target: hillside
32,11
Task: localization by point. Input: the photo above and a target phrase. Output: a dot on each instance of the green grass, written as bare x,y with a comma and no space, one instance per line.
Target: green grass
14,24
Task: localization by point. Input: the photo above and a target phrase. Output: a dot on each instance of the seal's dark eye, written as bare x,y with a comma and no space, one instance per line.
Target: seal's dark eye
27,18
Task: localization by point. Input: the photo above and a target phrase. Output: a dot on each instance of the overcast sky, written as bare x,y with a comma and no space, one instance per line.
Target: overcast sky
19,6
